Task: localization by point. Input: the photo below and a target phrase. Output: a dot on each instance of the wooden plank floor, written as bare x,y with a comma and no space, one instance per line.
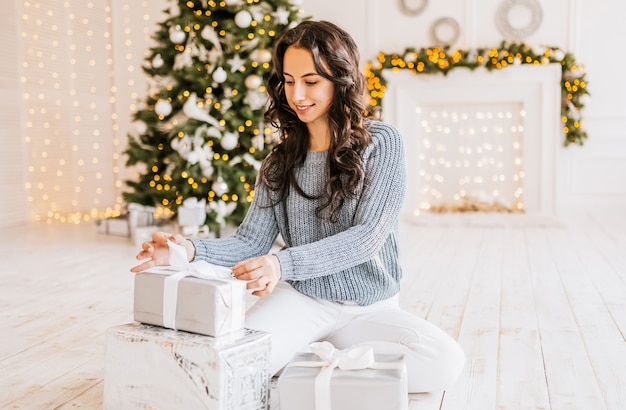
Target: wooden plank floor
539,305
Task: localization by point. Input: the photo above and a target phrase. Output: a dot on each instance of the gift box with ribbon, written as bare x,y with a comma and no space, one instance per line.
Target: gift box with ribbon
196,297
355,378
150,367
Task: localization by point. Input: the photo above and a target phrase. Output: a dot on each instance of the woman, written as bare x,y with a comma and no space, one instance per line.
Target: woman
332,188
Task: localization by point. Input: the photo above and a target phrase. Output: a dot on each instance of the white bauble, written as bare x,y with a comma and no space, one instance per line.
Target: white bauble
264,55
220,187
163,107
219,75
243,19
232,2
141,127
558,55
253,82
177,35
229,141
208,33
157,61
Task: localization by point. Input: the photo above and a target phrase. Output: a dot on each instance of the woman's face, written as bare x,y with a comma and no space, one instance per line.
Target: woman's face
308,93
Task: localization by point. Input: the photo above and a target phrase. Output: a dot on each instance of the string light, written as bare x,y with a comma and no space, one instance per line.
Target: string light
74,133
477,158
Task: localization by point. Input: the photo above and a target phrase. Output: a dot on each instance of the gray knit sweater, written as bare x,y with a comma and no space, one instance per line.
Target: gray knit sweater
354,259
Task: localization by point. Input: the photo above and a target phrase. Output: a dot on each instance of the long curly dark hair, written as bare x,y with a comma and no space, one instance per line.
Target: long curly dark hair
336,58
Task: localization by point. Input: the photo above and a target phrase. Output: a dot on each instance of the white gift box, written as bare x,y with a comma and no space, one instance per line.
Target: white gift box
117,226
140,215
211,307
336,381
196,297
192,212
143,234
150,367
127,224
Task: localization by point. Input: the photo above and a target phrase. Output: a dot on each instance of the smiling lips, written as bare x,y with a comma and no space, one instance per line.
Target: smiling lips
303,109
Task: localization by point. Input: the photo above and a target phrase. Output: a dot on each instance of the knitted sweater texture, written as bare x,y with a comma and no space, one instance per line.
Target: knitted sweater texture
354,259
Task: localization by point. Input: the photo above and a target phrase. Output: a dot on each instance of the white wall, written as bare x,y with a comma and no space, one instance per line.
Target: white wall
13,199
588,177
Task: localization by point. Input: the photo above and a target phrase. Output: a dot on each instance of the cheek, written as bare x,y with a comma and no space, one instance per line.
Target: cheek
326,93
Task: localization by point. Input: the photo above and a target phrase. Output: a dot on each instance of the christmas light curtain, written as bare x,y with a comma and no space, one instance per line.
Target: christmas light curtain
200,133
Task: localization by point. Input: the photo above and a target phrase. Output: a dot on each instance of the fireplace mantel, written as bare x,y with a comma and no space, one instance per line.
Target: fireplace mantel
536,89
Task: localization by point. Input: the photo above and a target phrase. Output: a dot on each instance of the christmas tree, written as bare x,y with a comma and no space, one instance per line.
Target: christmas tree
200,134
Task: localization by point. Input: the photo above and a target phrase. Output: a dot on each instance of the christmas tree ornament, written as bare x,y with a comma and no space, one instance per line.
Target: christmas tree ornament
232,2
141,127
258,141
157,61
255,99
182,145
229,141
236,63
222,209
208,33
163,107
253,82
243,19
192,110
220,187
225,104
264,55
219,75
184,59
177,35
281,15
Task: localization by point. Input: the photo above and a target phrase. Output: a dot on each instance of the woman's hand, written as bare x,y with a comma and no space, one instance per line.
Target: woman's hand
261,273
158,253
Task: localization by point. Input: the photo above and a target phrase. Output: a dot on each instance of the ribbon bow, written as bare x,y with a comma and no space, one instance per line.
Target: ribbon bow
180,268
354,358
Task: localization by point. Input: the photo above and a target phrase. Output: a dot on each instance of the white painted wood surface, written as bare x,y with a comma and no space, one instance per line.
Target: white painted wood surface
538,305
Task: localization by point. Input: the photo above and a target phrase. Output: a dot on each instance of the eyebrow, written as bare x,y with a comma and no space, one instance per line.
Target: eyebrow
305,75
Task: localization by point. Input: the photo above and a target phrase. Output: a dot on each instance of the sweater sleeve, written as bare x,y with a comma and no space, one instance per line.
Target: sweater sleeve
376,215
253,237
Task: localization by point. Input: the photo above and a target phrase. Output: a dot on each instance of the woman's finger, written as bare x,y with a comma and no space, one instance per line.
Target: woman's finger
178,239
141,267
259,283
265,291
246,270
161,237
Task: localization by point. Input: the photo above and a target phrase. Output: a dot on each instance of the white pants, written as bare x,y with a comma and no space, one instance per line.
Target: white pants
434,360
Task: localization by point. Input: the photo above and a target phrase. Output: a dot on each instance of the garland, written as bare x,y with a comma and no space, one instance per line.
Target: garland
442,60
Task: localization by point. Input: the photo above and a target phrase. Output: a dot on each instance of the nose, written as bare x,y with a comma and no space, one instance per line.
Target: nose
298,92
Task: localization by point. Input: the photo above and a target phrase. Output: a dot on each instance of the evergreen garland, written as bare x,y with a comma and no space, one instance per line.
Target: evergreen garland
441,60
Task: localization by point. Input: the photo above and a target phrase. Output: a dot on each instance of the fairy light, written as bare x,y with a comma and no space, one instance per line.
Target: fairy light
470,154
74,134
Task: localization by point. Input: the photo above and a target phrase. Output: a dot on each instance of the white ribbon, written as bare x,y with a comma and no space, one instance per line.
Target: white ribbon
354,358
180,268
